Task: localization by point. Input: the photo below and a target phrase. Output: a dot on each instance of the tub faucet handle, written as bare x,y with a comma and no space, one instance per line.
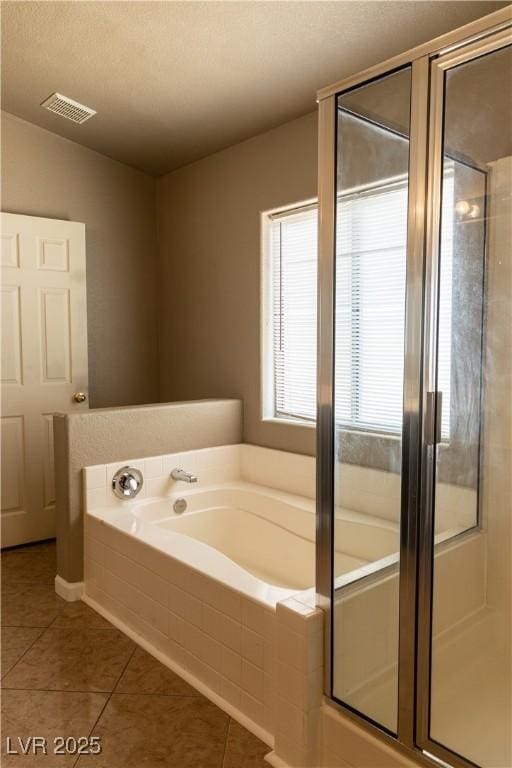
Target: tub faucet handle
127,482
180,474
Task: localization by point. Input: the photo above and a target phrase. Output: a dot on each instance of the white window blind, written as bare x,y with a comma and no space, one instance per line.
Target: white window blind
370,309
294,248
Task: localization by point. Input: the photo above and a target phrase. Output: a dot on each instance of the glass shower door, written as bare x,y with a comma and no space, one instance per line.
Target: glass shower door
470,708
414,480
372,183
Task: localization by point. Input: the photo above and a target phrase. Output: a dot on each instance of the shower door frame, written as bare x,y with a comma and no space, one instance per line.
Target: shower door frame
415,575
438,69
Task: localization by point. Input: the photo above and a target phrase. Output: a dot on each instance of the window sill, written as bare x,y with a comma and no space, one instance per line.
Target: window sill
312,425
289,422
372,433
358,433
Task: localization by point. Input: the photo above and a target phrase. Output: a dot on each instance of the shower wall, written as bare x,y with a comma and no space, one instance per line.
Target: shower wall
471,682
497,403
497,432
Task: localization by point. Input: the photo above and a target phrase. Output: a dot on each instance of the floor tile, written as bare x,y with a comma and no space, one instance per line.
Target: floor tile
79,616
243,749
29,605
30,564
157,731
60,662
48,714
15,641
65,659
145,674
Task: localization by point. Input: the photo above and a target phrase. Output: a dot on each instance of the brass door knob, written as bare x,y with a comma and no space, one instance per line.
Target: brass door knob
79,397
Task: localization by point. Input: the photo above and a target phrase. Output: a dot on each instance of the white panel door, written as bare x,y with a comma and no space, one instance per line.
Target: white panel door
43,363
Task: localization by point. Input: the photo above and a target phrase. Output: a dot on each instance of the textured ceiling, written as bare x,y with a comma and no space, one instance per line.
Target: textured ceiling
175,81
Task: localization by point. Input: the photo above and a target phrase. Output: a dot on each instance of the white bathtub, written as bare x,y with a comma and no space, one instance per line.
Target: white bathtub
257,539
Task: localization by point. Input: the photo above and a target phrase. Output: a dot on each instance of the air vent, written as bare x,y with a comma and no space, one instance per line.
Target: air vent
66,107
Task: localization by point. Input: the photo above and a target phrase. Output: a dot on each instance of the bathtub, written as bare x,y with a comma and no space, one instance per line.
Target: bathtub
257,539
200,589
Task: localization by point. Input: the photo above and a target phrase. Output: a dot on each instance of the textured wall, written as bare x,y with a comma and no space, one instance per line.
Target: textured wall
105,435
209,241
46,175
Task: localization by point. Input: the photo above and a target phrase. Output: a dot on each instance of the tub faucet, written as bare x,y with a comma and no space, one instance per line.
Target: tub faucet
180,474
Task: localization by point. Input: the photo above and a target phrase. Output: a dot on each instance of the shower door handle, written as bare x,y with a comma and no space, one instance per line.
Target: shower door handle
433,417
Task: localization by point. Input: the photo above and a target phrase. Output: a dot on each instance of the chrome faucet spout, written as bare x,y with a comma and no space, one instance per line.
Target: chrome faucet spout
180,474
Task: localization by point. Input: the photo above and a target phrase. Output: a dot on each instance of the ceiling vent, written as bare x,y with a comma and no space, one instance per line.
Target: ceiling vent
71,110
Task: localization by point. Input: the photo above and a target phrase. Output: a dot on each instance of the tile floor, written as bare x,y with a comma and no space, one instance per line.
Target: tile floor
68,672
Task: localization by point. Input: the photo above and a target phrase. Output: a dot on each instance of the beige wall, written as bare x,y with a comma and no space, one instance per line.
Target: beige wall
209,246
117,434
46,175
208,216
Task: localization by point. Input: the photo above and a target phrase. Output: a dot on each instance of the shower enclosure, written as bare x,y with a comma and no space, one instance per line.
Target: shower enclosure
415,394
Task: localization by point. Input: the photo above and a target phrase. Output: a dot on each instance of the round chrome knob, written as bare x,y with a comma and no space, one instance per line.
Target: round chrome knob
127,482
79,397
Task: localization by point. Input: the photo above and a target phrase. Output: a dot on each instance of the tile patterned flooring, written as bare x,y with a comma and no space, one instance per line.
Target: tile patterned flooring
68,672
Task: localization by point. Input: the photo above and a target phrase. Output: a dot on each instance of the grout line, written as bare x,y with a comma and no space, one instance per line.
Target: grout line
25,626
226,742
108,693
83,630
164,695
75,627
91,731
23,654
55,690
107,701
124,669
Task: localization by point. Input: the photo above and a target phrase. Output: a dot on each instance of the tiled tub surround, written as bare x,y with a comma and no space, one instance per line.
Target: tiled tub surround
209,618
221,642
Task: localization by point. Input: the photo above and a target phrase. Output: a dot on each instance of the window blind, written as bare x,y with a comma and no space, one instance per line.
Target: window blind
371,234
294,248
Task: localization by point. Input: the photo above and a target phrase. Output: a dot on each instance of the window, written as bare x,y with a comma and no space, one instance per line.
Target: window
293,249
370,297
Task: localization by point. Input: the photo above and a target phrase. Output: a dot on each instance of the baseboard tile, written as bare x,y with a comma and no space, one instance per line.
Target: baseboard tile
69,590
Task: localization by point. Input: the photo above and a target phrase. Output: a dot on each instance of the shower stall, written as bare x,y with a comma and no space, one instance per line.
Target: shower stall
415,394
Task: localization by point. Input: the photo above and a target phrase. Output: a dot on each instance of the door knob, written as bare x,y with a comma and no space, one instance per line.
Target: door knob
79,397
